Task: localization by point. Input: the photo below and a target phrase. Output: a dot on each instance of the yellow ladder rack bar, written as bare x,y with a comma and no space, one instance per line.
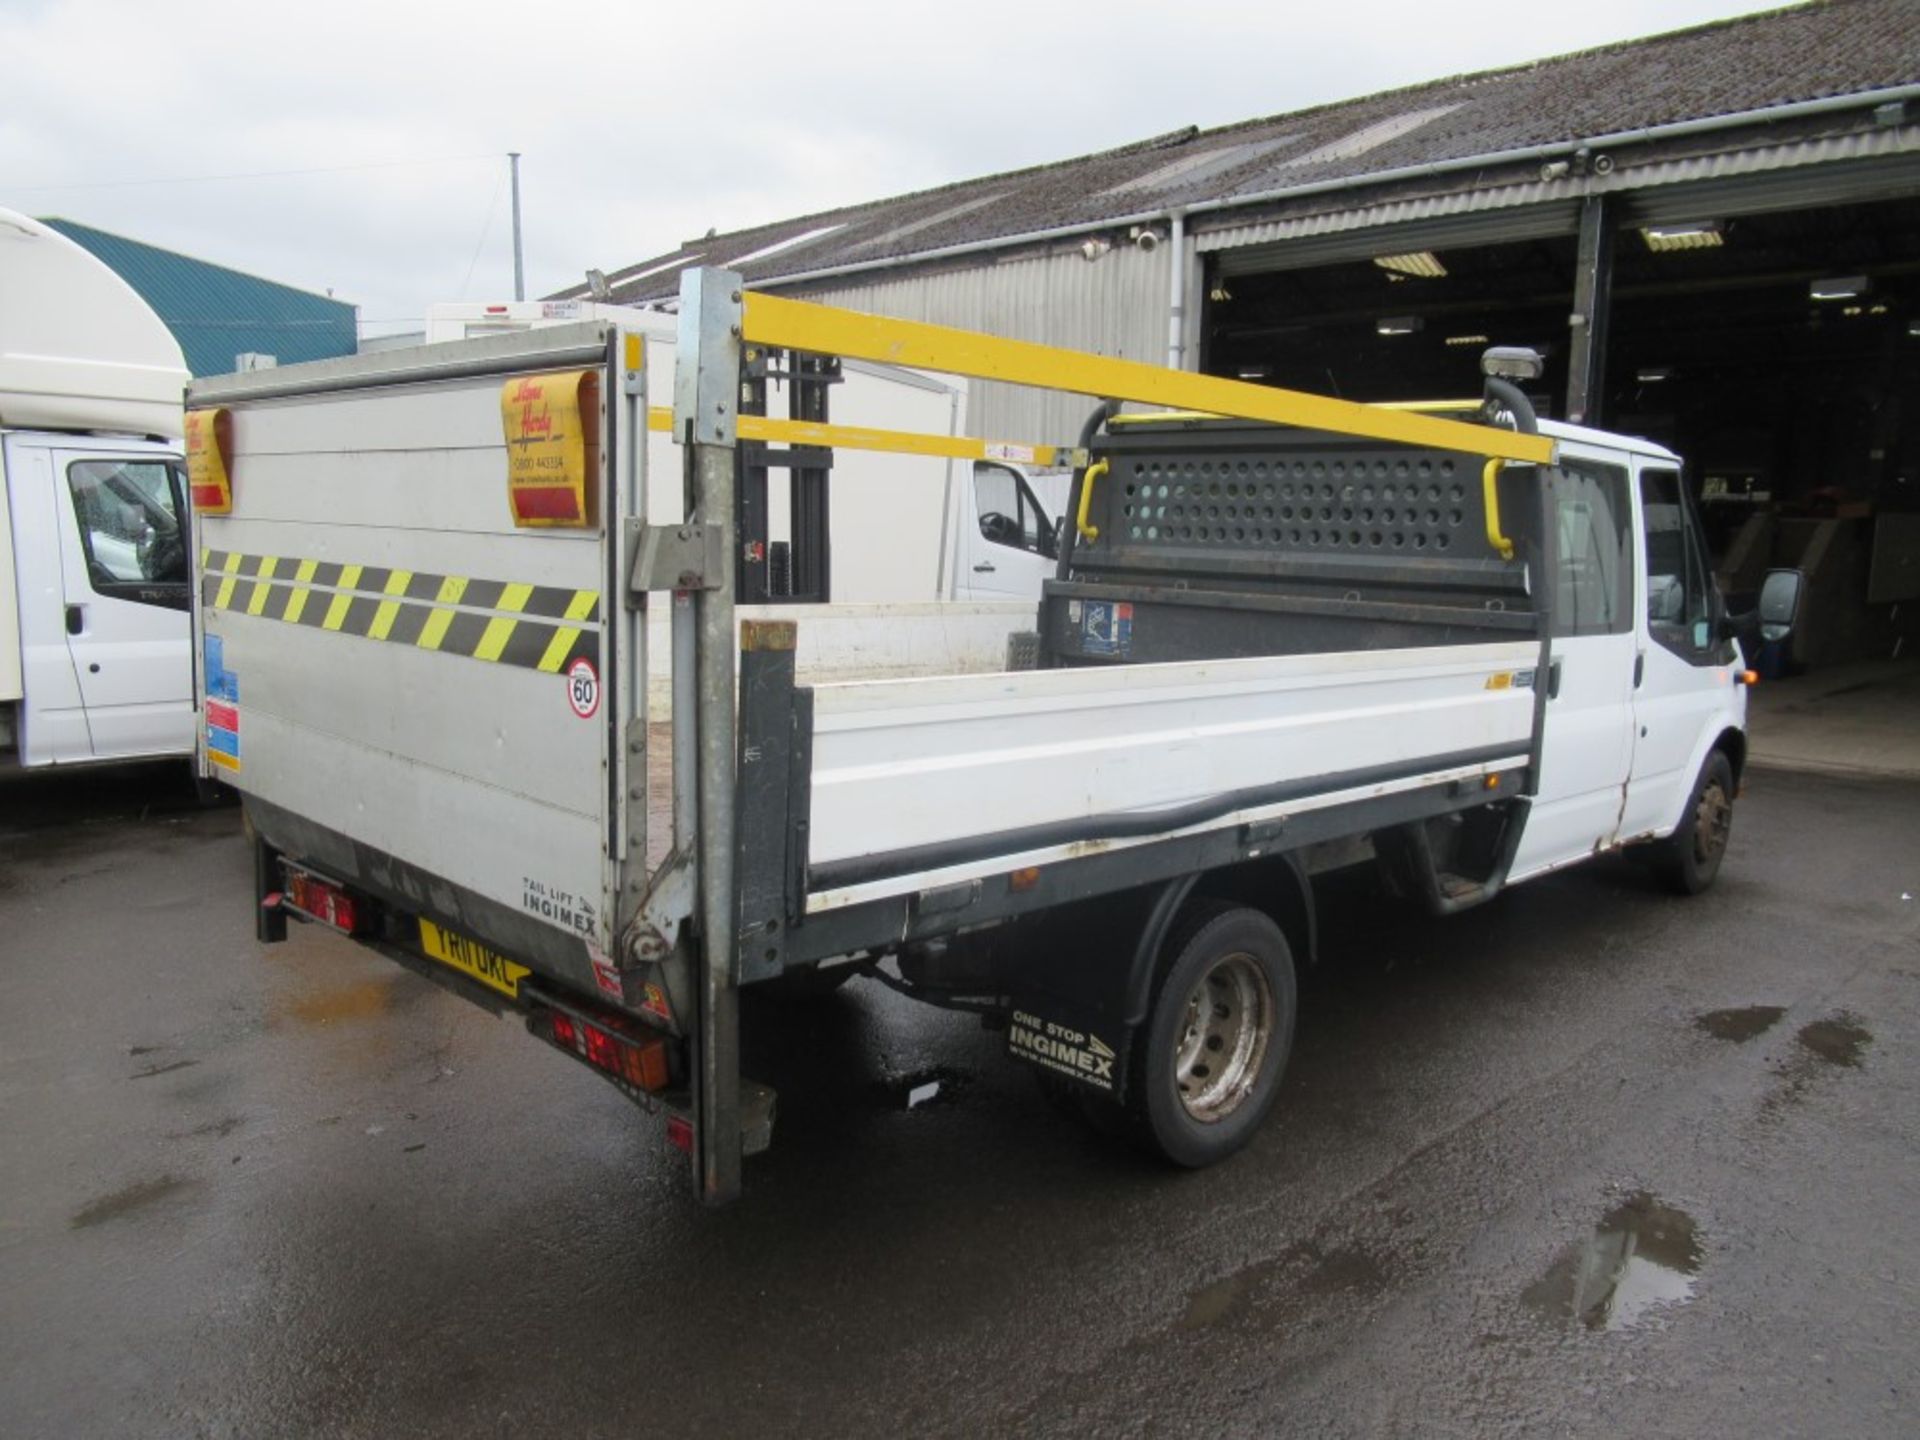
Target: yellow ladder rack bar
892,442
822,329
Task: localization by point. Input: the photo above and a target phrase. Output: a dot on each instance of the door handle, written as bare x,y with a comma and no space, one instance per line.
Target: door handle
1639,667
76,619
983,568
1553,681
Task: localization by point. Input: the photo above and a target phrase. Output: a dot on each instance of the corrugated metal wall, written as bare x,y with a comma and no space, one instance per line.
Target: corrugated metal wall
1116,305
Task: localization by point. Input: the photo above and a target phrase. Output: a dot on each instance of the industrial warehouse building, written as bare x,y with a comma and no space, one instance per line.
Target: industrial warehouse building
223,319
1713,235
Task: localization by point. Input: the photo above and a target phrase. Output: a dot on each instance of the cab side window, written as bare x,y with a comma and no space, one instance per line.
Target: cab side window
129,513
1677,609
1593,556
1009,514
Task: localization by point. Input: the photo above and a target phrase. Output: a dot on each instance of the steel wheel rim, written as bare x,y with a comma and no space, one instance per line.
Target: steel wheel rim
1229,1019
1712,819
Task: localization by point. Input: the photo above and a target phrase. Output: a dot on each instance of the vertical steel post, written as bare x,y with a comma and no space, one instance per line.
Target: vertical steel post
519,267
1592,307
706,400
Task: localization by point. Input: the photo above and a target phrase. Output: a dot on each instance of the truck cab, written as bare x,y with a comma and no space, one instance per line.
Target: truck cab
95,638
98,534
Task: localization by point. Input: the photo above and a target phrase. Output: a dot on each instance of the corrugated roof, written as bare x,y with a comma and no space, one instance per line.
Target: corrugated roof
217,313
1757,62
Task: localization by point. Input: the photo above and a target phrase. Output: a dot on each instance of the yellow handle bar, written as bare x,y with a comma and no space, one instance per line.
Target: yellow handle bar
1492,496
1094,472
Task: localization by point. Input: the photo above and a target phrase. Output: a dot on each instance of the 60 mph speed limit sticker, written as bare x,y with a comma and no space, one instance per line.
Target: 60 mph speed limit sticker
583,688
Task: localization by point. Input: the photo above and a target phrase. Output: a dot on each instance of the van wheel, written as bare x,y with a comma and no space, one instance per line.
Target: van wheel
1688,859
1207,1064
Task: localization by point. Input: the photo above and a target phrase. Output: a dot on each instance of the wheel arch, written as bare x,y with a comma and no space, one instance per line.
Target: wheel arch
1275,885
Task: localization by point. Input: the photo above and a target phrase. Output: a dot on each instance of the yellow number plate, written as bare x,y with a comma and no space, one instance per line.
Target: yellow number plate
473,959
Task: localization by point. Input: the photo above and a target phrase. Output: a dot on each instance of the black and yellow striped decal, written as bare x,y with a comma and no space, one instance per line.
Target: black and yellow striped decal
537,627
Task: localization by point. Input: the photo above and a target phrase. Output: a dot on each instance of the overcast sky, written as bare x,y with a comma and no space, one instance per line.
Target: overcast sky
644,123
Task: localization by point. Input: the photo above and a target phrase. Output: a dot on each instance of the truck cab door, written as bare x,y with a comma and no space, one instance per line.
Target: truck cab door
53,722
1010,548
123,562
1588,745
1684,694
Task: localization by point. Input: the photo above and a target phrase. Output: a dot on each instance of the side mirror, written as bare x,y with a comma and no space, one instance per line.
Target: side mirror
1780,596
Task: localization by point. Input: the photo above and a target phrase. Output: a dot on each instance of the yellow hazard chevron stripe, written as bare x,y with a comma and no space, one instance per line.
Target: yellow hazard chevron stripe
534,627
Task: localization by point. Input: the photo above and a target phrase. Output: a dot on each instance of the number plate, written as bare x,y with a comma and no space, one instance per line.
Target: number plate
472,959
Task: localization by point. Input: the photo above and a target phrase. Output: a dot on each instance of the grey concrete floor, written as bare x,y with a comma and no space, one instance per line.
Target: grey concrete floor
297,1191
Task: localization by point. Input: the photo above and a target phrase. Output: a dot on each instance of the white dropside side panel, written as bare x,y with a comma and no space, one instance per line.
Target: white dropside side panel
900,764
394,656
79,349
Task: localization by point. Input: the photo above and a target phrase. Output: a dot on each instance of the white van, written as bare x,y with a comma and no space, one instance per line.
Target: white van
95,652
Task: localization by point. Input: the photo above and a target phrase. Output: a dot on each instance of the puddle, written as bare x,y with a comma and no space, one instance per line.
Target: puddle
1836,1040
1211,1304
1643,1255
349,1002
124,1201
1740,1025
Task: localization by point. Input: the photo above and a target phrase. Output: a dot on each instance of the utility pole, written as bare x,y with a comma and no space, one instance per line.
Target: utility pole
519,265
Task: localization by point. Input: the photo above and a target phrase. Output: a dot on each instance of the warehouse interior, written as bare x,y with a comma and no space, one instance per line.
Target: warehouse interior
1778,351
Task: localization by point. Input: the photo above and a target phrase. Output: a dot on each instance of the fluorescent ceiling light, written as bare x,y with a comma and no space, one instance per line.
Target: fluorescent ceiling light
1653,374
1700,235
1421,265
1840,287
1254,372
1399,324
1466,340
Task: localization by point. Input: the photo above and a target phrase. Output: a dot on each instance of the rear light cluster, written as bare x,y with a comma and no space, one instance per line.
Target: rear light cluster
312,898
616,1047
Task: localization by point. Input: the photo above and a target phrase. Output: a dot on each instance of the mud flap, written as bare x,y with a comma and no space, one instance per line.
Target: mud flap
1079,1047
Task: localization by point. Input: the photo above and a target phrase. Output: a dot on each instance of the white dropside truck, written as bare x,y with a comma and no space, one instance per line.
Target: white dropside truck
94,639
1284,634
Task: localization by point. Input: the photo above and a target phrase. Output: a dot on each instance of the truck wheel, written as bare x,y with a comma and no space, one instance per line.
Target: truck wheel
1689,858
1207,1063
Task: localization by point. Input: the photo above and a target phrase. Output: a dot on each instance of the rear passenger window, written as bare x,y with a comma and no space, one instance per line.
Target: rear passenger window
1593,574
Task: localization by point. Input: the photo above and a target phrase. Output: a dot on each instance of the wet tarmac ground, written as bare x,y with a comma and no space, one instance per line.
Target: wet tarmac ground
1589,1161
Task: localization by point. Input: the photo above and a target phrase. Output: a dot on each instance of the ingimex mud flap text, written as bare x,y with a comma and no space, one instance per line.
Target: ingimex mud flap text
1094,1054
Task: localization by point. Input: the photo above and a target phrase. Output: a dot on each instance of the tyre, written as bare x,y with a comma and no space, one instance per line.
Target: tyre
1688,859
1206,1066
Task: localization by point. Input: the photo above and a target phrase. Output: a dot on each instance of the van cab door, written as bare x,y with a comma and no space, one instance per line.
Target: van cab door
1684,692
1588,743
124,573
1009,549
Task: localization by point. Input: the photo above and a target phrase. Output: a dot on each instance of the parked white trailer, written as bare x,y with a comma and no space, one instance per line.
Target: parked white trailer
1467,650
95,654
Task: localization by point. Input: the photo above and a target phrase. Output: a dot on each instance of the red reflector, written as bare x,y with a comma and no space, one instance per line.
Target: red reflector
209,498
680,1133
545,502
222,716
563,1031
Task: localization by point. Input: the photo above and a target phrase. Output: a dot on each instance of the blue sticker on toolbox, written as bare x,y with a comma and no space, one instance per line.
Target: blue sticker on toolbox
1106,627
222,683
